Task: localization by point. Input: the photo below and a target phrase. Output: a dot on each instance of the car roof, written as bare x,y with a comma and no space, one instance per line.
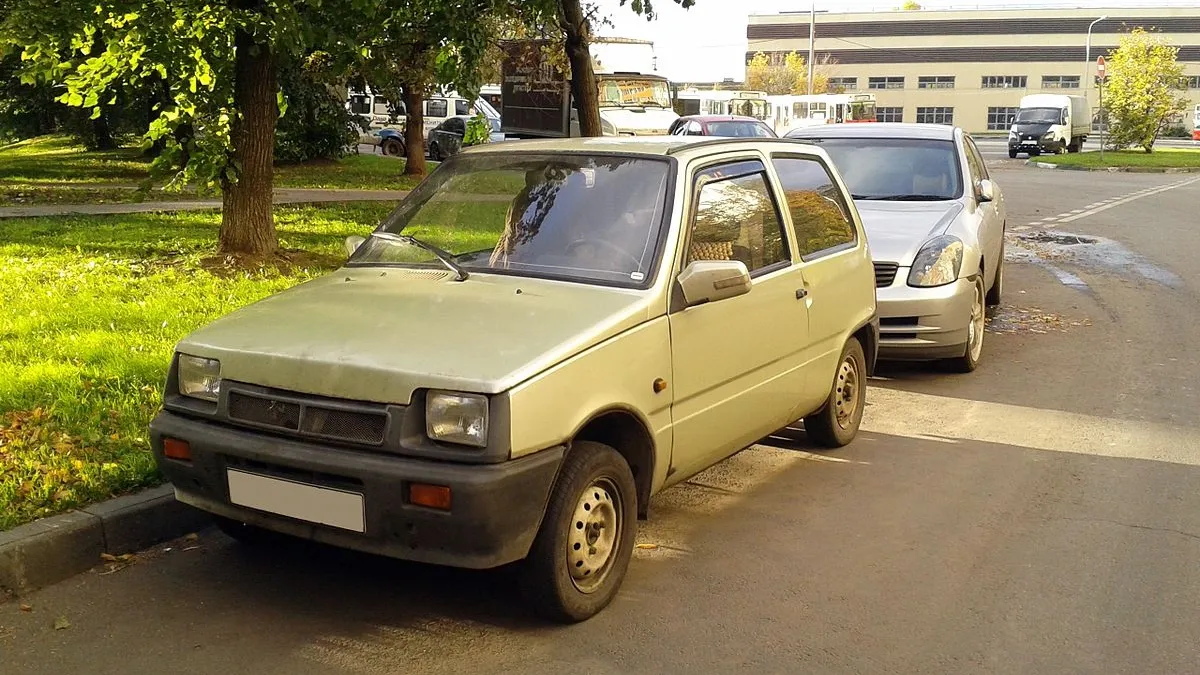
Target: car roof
940,132
718,118
639,145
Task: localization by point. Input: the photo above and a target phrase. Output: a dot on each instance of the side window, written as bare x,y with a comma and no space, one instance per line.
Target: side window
974,166
735,218
694,129
819,212
456,125
973,150
462,107
436,107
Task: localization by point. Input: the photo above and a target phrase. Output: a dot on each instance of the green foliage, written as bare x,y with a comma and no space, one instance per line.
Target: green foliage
1144,90
93,308
316,124
479,131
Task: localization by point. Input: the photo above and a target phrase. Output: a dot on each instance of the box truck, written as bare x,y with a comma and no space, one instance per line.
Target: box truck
1049,123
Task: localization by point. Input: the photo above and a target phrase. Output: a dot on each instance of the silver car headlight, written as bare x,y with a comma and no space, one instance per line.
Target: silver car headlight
937,263
199,377
457,418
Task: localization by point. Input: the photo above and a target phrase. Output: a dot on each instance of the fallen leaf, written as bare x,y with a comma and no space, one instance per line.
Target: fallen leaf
26,608
61,623
647,547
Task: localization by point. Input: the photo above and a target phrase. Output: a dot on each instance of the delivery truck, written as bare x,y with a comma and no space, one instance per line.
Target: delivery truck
1050,123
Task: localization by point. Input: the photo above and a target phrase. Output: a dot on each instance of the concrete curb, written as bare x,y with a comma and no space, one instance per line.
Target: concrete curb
1113,169
50,550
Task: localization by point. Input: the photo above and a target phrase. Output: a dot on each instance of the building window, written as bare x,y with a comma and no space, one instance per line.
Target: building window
895,114
936,82
885,82
936,115
843,84
1005,81
1000,119
1193,81
1060,82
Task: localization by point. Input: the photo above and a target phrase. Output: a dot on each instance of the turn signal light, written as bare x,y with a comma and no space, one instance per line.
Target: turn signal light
177,449
431,496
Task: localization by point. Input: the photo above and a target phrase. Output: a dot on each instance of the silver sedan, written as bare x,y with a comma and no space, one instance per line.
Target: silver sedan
935,224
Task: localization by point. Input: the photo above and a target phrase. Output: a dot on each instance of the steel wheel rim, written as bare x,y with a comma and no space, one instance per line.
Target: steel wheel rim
975,327
593,535
845,397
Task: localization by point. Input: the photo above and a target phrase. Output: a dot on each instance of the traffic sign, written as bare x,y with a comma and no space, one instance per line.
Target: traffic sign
1100,66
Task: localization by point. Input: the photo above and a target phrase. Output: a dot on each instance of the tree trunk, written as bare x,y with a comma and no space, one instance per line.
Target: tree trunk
247,225
102,138
414,130
583,79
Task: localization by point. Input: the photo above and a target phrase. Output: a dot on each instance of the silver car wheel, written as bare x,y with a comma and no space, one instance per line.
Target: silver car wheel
975,328
845,400
595,531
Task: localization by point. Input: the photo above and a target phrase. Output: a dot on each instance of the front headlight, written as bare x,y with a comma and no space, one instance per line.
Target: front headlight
1049,136
1012,134
199,378
457,418
607,128
937,263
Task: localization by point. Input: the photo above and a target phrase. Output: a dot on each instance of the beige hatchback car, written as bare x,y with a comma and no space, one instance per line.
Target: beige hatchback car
541,337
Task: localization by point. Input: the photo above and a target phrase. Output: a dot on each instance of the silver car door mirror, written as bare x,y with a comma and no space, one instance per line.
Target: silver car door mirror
712,280
987,191
352,243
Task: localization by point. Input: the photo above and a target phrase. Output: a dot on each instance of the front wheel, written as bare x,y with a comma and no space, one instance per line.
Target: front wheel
392,147
1012,154
973,350
836,424
582,551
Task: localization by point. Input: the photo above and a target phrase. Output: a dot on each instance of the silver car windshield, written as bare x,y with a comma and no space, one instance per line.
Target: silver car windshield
896,169
576,217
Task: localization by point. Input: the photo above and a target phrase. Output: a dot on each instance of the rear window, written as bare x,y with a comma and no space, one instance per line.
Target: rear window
896,169
738,129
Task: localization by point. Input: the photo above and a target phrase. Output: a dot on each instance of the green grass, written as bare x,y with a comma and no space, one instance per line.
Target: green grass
92,308
1161,158
54,170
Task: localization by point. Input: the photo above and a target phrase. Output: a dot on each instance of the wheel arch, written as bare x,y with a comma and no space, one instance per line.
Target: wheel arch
626,432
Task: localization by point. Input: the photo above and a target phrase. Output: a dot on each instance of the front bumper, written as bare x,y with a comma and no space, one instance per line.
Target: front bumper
1036,145
923,323
495,511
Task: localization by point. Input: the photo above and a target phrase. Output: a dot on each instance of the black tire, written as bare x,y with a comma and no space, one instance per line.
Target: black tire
392,147
997,290
1035,153
973,351
546,577
1012,154
435,153
837,422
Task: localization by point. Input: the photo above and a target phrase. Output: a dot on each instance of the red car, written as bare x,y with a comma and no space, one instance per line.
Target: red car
721,125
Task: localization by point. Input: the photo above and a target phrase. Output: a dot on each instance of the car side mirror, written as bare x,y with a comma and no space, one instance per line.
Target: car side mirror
987,191
352,243
712,280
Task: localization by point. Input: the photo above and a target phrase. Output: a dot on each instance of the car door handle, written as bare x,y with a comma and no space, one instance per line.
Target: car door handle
801,293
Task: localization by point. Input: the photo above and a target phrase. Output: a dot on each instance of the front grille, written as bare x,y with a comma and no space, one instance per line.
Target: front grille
885,273
264,411
308,418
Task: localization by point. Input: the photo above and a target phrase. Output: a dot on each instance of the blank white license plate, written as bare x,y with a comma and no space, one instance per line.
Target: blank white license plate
336,508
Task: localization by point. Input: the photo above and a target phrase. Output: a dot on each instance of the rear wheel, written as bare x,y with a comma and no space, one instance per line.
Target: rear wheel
1012,154
582,551
836,424
435,153
392,147
973,351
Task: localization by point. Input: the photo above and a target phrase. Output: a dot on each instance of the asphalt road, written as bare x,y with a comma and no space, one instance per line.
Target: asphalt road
1041,515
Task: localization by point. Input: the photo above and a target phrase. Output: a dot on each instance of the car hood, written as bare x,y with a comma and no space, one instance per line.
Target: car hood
640,120
371,334
896,230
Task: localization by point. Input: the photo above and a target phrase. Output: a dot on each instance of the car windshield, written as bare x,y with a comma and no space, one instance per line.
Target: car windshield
628,92
1038,115
742,129
749,107
897,169
583,218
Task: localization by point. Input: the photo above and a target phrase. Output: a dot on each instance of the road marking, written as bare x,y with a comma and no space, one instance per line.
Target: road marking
1130,198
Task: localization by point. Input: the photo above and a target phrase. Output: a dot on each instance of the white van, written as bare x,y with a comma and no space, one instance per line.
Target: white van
387,117
1050,123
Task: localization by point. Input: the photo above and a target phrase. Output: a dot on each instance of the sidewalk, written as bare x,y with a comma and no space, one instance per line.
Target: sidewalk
282,196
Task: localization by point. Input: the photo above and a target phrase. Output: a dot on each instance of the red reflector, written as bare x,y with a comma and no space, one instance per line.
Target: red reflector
432,496
177,449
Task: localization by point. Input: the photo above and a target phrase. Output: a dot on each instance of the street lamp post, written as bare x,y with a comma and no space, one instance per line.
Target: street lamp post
1087,59
812,43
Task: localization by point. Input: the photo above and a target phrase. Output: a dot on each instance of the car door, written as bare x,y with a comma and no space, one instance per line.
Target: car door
834,271
990,214
737,368
454,130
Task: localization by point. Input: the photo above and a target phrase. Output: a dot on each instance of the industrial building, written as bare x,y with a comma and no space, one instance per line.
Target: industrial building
971,67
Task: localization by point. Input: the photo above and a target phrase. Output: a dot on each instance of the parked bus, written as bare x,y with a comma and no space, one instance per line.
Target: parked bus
791,111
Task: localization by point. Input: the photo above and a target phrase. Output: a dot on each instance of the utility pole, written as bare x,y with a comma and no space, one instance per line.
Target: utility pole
812,43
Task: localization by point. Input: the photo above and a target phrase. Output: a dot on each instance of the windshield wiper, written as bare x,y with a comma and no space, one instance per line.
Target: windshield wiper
446,258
